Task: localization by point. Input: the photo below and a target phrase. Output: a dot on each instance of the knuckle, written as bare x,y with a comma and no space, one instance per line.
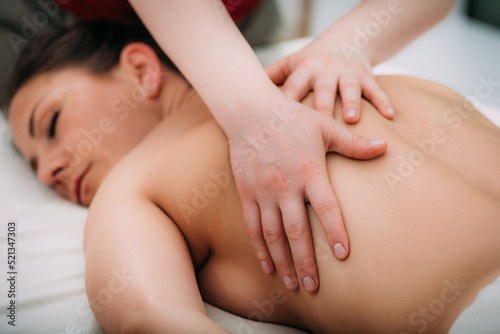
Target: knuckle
296,231
346,84
272,236
369,81
324,86
254,232
309,62
308,265
260,187
326,206
347,145
280,182
285,267
246,195
309,170
355,140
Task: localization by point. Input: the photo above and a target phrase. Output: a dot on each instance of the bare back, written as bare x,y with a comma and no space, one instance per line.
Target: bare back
423,219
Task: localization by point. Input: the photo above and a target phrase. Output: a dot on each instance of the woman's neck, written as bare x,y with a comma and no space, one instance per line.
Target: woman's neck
176,95
180,105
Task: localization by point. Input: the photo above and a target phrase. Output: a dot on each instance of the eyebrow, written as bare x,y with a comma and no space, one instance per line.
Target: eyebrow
31,127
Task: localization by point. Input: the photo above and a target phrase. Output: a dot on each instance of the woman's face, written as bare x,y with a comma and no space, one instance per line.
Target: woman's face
73,127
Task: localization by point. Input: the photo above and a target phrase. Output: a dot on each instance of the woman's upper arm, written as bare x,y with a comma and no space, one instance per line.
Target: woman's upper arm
139,273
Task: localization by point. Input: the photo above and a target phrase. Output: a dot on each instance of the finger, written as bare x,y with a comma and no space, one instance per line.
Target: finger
350,93
277,243
299,236
298,84
251,214
374,93
278,71
325,91
326,207
343,141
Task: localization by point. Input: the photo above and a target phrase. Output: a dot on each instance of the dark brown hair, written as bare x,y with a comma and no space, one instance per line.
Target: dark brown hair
94,45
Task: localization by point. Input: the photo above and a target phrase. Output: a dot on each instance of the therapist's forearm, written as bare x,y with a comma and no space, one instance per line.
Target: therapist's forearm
202,40
378,29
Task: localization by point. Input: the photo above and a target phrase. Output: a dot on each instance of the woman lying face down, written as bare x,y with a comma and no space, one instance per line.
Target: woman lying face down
136,143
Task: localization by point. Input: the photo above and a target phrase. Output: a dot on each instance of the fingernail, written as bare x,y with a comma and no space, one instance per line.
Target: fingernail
309,284
351,113
290,285
390,111
376,142
266,267
339,250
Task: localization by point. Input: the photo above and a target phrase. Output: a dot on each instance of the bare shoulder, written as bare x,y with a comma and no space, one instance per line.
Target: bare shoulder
166,172
120,189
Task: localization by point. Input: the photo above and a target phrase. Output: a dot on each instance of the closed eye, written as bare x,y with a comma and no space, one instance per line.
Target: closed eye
51,131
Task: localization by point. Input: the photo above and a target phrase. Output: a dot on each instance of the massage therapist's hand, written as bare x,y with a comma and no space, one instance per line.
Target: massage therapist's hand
342,56
320,68
278,160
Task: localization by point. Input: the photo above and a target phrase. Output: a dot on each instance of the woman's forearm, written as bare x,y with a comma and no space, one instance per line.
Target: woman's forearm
377,29
202,40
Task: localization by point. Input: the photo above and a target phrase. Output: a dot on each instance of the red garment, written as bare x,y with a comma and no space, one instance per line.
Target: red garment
239,9
120,10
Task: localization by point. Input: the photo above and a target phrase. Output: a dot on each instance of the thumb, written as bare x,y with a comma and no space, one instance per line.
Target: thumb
278,71
340,140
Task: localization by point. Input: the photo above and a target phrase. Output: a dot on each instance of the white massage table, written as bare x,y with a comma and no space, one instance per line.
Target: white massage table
50,290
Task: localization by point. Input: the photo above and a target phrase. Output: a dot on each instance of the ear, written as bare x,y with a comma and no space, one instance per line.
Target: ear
141,62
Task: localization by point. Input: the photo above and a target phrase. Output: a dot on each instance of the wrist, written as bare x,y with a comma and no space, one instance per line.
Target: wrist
239,111
349,35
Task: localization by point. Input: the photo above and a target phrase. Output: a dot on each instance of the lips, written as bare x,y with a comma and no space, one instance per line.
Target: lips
77,187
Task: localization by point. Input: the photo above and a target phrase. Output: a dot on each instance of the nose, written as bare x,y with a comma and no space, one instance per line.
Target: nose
51,164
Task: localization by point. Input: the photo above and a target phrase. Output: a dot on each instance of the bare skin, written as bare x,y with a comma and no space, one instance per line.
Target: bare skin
169,216
439,225
206,45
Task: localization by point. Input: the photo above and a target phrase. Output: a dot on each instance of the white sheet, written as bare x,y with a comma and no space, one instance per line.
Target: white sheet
482,317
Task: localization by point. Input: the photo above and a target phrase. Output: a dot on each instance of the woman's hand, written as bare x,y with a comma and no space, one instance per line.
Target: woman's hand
278,160
323,69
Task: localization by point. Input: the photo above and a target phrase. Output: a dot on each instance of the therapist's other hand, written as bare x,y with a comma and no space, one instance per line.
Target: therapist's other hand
278,158
319,68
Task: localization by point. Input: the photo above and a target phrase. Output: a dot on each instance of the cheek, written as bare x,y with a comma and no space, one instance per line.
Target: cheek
108,141
92,124
81,137
71,129
113,119
117,100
